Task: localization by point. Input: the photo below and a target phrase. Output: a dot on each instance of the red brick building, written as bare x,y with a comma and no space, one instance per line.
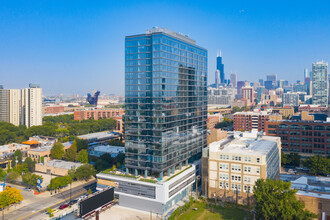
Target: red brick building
303,137
212,120
53,109
98,113
246,121
313,109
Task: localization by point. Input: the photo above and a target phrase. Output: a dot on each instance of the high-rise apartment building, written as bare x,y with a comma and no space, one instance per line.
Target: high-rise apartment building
15,106
248,93
233,79
165,101
290,99
320,85
220,67
21,106
31,105
4,104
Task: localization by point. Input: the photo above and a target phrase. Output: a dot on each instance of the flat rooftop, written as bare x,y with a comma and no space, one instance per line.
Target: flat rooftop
8,146
63,164
141,178
248,143
98,135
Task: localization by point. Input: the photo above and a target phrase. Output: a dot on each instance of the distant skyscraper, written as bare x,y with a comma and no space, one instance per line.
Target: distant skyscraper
220,67
306,75
247,93
165,101
217,78
261,81
272,77
240,84
260,90
320,84
233,79
269,85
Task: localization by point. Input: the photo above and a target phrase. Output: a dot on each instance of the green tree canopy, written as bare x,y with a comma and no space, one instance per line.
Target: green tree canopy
71,153
30,164
318,165
292,159
57,151
85,172
31,179
275,199
17,156
82,156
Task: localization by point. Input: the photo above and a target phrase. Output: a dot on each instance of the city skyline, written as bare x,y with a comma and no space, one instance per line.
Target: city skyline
45,43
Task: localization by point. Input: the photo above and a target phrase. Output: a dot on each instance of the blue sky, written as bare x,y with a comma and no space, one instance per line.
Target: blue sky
73,47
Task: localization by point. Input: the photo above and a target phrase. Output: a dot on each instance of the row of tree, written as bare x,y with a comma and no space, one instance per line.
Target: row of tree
317,164
84,172
63,127
226,123
72,154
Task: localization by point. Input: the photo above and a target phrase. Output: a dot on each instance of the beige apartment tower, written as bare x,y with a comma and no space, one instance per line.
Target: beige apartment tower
31,106
21,106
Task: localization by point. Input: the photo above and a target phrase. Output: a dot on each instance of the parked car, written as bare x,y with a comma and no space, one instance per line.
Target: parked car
73,202
28,189
64,206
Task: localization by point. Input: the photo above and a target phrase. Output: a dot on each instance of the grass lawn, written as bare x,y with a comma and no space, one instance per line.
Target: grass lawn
205,212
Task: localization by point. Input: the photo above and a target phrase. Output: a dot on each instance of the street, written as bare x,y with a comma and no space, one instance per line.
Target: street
36,209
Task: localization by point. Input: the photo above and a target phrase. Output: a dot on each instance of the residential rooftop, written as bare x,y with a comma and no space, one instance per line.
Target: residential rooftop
98,135
249,143
63,164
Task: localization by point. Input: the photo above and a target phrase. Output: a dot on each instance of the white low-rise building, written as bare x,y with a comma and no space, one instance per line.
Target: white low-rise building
150,194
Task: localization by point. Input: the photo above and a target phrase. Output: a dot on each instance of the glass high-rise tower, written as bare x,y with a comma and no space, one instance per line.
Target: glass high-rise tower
165,101
320,84
220,67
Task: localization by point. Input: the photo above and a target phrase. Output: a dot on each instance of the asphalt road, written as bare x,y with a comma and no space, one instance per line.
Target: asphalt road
37,209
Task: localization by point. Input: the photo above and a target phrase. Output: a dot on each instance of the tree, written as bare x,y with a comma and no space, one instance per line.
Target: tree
121,158
10,196
50,212
17,156
292,159
82,156
30,164
59,181
224,124
318,165
85,172
57,151
275,199
71,153
89,191
115,142
81,144
236,109
31,179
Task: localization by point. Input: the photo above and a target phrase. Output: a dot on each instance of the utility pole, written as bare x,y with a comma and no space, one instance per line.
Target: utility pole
51,183
236,196
197,177
224,194
70,193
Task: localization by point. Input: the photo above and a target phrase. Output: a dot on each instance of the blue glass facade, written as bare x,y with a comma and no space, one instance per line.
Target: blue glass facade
220,67
165,101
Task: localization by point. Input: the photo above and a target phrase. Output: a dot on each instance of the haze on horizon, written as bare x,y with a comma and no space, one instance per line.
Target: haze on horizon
73,47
